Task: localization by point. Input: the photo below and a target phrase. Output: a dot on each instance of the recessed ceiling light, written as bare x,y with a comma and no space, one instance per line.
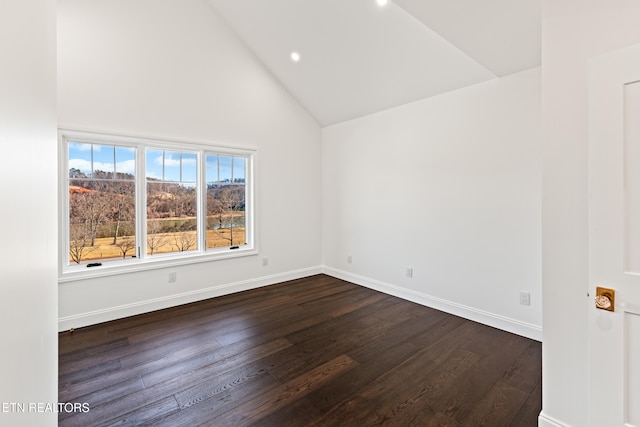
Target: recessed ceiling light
382,2
295,56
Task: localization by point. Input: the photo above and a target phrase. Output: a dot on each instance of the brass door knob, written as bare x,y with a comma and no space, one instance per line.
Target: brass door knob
603,302
605,299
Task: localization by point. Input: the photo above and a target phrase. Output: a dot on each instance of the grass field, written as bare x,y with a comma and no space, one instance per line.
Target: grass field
105,249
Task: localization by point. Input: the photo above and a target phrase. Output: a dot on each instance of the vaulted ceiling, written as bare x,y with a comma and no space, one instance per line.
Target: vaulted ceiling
357,57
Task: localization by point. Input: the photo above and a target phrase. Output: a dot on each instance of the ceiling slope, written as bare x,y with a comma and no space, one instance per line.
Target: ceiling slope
502,35
358,58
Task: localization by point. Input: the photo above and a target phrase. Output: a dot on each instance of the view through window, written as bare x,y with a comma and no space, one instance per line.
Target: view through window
187,200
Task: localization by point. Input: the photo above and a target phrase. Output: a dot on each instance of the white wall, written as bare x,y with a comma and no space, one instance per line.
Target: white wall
28,360
449,186
174,70
573,32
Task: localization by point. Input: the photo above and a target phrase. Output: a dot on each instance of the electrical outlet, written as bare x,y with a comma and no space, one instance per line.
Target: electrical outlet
173,276
349,259
265,261
525,298
409,272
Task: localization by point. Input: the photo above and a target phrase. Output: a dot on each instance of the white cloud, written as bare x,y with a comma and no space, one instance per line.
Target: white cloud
171,162
105,167
81,164
81,146
127,166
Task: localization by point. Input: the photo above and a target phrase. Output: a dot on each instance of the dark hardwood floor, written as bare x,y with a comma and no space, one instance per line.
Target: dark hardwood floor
311,352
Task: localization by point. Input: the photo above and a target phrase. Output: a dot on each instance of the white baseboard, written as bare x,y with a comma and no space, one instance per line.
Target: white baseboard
504,323
546,421
119,312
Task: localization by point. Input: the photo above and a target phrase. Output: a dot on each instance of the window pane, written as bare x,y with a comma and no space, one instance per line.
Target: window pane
172,204
238,169
103,161
125,162
172,166
212,169
101,205
189,167
225,201
226,169
154,162
79,160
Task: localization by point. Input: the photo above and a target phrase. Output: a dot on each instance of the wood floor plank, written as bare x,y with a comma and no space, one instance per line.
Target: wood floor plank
417,331
300,413
140,415
398,401
333,399
208,411
335,339
435,377
522,373
72,358
498,407
421,363
285,394
74,377
530,409
460,400
316,351
147,415
219,360
233,365
107,394
328,328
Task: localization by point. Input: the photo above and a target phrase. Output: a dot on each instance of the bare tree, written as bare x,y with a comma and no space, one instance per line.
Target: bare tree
101,200
78,242
184,241
123,208
155,240
125,245
90,208
226,203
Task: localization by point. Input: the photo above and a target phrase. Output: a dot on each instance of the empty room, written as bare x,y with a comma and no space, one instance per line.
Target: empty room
241,212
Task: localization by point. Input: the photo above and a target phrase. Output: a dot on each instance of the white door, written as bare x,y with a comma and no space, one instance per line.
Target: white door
614,237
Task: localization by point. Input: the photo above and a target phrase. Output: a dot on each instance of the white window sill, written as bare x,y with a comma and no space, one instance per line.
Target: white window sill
112,268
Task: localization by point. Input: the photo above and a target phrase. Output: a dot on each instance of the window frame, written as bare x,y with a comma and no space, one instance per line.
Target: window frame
144,261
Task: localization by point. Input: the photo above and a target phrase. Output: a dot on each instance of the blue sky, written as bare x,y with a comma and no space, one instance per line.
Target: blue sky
228,168
178,166
107,158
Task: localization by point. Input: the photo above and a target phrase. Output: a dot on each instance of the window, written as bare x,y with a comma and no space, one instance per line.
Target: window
101,207
226,203
172,201
131,203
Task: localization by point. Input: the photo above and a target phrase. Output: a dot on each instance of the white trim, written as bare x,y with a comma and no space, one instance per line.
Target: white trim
545,420
159,261
100,137
490,319
486,318
113,313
